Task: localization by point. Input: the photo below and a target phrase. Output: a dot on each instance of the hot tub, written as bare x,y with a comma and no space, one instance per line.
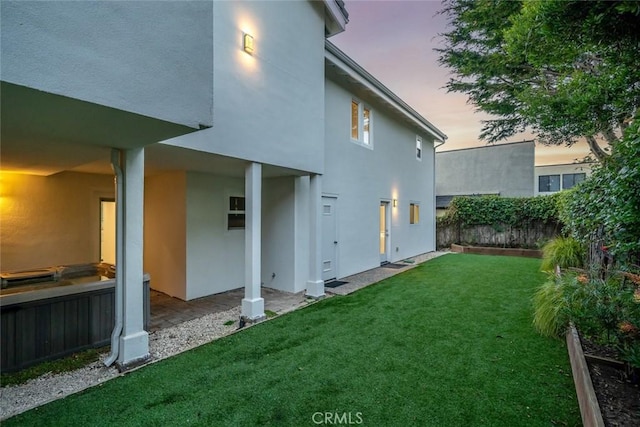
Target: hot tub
57,311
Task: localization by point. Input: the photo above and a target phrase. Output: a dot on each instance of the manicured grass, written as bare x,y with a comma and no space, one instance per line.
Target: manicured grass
449,343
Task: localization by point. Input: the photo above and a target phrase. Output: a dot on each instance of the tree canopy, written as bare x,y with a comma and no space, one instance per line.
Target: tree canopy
563,69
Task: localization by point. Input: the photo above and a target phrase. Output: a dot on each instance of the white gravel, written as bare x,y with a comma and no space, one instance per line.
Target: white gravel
162,344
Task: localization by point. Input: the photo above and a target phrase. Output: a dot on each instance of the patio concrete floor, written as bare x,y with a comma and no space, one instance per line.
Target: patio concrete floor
167,311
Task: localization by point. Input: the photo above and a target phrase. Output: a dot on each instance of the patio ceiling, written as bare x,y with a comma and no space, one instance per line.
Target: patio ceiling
44,133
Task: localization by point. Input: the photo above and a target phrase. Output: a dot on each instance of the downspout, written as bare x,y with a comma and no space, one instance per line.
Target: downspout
117,330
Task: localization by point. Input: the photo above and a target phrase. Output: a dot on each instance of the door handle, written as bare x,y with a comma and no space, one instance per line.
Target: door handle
335,242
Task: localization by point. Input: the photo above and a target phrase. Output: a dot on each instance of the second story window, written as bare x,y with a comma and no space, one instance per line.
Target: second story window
570,180
548,183
418,148
360,123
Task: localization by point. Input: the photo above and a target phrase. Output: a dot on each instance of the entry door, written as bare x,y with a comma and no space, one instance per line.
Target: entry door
108,231
384,232
329,238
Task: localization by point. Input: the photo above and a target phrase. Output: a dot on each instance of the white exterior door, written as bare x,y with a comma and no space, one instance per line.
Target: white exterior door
384,232
329,238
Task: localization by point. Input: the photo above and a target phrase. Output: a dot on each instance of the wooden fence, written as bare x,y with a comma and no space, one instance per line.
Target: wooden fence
498,235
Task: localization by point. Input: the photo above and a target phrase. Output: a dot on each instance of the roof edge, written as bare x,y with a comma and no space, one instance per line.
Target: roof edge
337,16
342,60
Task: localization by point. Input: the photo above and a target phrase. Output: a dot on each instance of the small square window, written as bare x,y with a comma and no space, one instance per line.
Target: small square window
236,217
414,213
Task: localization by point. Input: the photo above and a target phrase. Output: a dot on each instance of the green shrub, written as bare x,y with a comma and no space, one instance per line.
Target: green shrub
494,210
564,252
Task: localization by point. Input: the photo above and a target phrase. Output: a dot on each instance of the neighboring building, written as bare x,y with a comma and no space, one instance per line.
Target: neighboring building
248,152
554,178
503,169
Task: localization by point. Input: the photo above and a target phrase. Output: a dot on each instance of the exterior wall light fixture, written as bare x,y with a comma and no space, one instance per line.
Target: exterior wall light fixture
247,43
395,203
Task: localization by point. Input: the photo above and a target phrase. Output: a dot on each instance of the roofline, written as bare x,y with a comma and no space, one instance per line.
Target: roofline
487,146
567,164
355,71
337,14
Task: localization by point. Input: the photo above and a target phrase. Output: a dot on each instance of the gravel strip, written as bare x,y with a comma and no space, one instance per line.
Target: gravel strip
162,344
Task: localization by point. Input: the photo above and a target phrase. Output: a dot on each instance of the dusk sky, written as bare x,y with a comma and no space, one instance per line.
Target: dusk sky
394,41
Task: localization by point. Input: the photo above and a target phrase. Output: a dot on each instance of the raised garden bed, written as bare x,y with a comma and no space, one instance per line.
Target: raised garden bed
605,398
487,250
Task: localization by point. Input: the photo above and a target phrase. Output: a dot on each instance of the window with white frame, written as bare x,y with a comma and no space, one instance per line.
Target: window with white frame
548,183
236,214
418,148
414,213
570,180
360,123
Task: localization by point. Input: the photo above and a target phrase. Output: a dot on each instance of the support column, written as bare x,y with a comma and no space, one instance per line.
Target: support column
134,340
315,284
253,303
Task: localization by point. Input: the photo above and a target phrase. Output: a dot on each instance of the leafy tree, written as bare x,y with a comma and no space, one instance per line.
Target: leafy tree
605,208
564,69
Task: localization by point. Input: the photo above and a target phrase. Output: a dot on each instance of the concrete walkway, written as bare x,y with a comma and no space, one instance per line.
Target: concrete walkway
167,311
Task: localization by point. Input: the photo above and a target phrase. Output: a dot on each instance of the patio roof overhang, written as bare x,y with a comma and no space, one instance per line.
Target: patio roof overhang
43,133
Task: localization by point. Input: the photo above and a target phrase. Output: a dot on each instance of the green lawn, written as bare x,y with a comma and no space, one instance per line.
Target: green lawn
449,343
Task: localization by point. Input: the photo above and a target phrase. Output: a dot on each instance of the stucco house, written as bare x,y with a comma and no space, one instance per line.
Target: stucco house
247,151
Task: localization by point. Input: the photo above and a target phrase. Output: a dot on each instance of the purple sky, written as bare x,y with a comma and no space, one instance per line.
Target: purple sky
394,41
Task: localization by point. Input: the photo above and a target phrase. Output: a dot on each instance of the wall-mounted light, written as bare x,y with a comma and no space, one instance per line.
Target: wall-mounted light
395,203
247,43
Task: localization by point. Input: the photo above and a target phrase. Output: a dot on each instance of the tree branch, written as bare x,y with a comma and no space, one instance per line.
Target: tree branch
595,148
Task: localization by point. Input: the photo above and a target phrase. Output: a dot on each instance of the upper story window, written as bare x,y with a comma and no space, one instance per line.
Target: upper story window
418,148
570,180
360,123
548,183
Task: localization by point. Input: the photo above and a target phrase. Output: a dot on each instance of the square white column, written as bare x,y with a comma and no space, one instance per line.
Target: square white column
253,303
134,340
315,284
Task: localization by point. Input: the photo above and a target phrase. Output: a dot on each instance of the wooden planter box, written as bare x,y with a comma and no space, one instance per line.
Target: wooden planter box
485,250
50,324
589,407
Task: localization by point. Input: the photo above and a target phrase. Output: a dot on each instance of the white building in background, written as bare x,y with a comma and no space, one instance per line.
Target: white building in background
249,151
553,178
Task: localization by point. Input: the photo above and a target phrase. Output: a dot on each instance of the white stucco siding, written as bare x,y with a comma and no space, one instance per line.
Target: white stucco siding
50,221
560,171
268,106
150,58
278,228
362,178
215,255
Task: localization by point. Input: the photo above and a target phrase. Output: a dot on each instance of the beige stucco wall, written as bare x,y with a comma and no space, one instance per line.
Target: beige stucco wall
53,220
165,232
